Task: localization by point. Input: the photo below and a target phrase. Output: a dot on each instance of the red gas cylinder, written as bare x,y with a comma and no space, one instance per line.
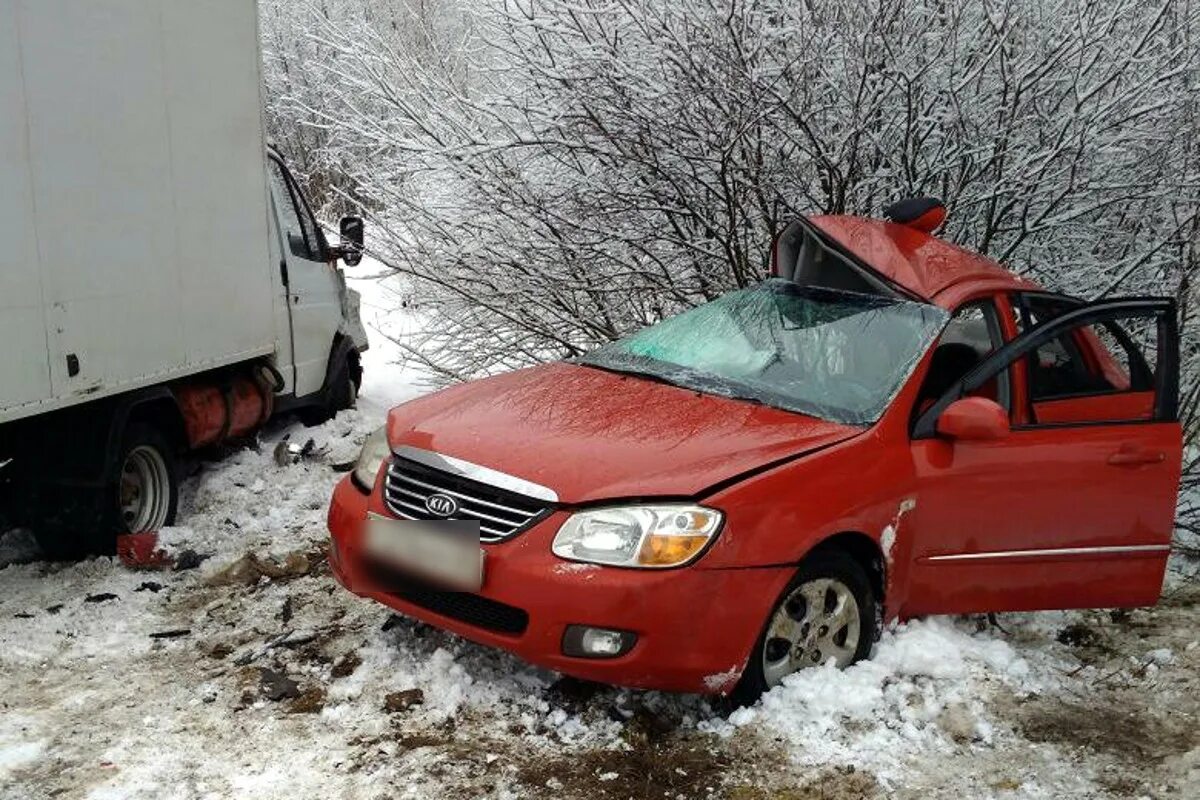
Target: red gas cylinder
215,411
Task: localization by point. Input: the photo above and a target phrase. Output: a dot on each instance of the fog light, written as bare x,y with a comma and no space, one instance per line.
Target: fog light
584,641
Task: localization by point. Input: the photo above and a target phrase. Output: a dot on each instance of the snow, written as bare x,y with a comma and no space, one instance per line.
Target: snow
95,707
723,681
16,750
885,710
388,379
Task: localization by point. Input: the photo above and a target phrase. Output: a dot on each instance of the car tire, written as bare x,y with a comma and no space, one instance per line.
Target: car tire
141,493
828,611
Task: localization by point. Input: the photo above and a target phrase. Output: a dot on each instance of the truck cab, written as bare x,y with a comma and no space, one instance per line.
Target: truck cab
316,313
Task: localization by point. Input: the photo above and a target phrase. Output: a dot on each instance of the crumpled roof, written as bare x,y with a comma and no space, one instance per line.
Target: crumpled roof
934,269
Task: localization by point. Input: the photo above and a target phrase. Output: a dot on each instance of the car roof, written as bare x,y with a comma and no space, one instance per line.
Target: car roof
931,268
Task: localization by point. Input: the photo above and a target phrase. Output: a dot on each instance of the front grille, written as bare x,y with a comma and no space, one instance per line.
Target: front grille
465,607
500,513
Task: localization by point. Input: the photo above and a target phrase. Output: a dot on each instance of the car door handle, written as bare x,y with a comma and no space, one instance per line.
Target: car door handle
1131,457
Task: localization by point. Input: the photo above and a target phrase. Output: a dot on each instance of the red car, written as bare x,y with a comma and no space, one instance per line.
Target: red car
891,426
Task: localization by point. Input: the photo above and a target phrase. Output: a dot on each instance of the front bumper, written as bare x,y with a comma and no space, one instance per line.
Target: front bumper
695,626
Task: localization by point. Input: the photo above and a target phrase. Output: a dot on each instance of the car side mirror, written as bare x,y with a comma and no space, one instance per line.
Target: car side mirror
973,419
351,247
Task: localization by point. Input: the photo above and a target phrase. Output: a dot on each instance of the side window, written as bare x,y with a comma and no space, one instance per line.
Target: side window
1126,351
1105,358
300,230
1059,367
1096,373
970,335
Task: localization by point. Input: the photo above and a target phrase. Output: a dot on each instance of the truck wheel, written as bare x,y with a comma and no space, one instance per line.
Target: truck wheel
141,495
340,394
827,612
147,481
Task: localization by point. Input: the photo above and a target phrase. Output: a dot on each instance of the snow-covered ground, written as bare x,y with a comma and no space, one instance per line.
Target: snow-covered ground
253,675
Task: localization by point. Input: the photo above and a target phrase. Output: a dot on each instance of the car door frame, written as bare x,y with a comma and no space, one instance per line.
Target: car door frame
960,569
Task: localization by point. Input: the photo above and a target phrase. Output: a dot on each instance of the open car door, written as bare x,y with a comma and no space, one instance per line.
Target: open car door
1074,507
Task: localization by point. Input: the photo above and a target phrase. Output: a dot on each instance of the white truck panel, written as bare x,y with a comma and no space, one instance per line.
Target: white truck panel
22,328
144,166
215,111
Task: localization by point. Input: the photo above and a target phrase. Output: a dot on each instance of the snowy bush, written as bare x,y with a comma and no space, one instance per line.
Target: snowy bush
555,173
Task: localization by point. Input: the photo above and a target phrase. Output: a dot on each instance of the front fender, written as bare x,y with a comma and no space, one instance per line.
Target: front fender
864,485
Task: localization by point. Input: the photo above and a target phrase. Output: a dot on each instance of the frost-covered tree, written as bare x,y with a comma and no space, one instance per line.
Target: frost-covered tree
304,106
557,172
554,173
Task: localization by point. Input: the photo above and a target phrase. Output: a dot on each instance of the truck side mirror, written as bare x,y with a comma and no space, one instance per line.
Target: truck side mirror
973,419
351,249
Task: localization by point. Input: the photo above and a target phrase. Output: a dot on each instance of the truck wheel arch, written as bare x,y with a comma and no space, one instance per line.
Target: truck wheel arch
343,351
155,406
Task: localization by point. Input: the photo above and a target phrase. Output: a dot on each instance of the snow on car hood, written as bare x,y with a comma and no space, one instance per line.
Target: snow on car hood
590,435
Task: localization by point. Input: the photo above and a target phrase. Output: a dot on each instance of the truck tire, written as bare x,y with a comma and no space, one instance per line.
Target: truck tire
140,494
147,481
340,393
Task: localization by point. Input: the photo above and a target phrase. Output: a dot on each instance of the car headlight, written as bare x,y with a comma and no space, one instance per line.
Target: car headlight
638,536
374,451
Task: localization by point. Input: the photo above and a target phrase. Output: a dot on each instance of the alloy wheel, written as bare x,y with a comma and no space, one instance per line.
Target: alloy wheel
818,622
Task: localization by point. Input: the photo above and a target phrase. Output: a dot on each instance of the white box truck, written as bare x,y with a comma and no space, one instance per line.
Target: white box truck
164,284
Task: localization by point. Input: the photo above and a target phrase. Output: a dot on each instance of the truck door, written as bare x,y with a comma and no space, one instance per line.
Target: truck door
310,282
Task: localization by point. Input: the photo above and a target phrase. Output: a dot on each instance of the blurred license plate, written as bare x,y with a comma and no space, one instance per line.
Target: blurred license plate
444,551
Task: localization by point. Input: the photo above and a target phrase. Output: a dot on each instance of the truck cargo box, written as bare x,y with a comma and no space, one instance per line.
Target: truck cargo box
133,214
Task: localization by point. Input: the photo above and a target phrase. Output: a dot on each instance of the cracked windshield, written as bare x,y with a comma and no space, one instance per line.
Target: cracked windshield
836,355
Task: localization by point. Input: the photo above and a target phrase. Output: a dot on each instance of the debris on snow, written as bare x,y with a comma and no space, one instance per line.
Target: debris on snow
188,559
345,666
395,702
250,569
276,686
175,633
310,701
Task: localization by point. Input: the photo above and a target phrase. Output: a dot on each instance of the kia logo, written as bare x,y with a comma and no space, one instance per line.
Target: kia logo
443,505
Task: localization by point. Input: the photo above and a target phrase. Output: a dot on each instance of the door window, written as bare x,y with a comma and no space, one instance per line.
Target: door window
300,229
1077,375
1108,362
1100,374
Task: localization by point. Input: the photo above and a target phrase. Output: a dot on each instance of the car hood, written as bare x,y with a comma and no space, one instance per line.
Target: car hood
593,435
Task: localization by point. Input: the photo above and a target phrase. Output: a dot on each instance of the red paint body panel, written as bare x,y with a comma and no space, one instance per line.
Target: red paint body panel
1098,408
595,435
1041,489
695,626
956,526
